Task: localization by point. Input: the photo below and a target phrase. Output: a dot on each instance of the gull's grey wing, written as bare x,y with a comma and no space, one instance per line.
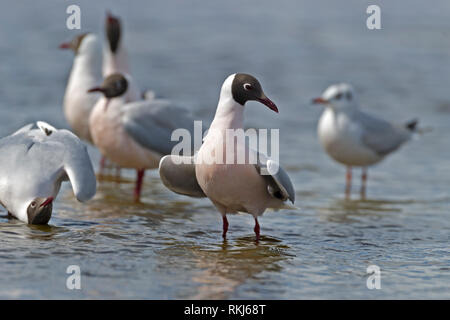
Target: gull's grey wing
151,123
279,183
76,164
25,128
381,136
38,160
178,174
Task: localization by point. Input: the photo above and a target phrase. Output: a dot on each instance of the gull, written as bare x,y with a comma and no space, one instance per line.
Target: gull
353,137
134,134
34,163
85,74
232,187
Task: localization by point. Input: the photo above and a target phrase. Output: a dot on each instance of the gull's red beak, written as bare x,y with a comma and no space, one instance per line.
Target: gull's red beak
268,103
96,89
47,202
65,45
319,100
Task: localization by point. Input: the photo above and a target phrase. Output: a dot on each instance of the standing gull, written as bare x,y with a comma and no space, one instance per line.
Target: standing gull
85,74
231,187
34,163
134,134
355,138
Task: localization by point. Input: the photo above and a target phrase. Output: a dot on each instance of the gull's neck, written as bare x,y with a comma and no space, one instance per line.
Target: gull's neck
85,70
349,109
115,62
229,113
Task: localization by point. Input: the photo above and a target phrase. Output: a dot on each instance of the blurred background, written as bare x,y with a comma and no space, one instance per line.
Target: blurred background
170,246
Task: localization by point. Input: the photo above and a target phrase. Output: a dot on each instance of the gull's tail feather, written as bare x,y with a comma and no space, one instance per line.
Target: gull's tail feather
414,128
412,125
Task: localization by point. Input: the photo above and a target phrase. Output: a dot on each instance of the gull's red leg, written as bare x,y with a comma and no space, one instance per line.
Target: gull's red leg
225,226
257,229
101,166
117,173
139,181
348,182
363,182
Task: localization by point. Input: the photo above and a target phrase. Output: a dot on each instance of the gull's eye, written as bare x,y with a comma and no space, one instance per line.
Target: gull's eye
248,86
33,204
339,96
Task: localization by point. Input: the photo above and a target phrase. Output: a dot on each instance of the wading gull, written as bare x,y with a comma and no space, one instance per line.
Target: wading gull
353,137
231,187
134,134
34,163
85,74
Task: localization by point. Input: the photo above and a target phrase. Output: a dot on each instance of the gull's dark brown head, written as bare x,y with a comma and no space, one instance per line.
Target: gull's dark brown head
75,44
113,86
39,211
245,88
113,31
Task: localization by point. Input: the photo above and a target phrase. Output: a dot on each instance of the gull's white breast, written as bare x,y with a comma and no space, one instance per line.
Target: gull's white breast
341,137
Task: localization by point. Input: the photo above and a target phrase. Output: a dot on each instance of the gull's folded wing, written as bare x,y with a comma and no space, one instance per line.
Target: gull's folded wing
279,183
178,174
77,165
381,136
151,123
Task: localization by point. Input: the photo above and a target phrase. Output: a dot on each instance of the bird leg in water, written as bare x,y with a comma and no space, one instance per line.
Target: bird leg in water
363,183
118,175
225,226
348,182
138,188
101,167
256,229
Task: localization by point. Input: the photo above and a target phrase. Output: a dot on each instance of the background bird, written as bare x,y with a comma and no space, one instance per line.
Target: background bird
34,163
353,137
85,74
134,134
231,187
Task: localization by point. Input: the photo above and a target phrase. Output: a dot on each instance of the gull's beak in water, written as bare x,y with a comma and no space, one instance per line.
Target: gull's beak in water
42,213
319,100
269,103
47,201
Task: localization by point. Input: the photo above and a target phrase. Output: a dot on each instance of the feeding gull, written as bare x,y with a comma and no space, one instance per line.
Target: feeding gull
232,187
34,163
353,137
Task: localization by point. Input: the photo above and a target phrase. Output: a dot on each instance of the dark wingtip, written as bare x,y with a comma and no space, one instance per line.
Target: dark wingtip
412,125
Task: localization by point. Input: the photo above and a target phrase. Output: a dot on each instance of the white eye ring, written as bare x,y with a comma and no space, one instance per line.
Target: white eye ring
33,204
248,86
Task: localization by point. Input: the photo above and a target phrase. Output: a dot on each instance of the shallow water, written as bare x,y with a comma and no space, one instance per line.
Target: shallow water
170,246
